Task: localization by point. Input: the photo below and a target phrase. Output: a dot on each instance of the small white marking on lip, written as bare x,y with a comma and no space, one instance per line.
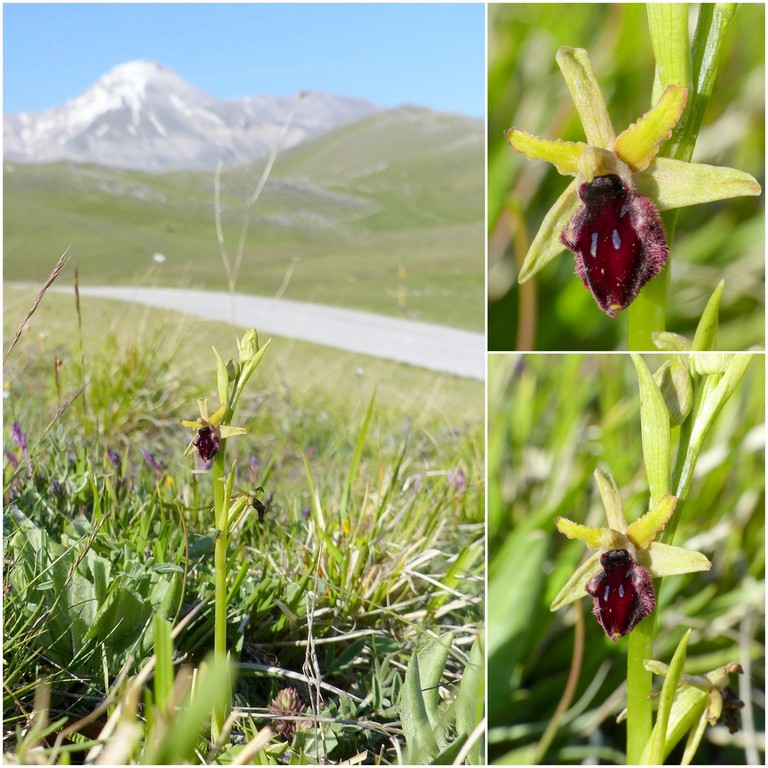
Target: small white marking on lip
624,209
621,590
605,594
616,239
593,247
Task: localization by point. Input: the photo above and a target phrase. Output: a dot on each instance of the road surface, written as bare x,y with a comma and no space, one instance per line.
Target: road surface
436,347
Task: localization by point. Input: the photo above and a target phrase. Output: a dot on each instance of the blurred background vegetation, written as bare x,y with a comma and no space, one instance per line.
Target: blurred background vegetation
714,241
544,442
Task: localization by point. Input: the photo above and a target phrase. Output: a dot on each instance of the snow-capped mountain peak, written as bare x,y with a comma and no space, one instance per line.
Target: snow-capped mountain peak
143,115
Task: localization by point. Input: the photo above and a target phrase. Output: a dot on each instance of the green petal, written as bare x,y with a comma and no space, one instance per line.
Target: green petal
231,432
638,145
575,587
666,560
643,531
675,184
564,155
590,536
221,412
546,245
577,70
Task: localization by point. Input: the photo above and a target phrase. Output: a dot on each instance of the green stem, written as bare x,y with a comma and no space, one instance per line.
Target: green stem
639,682
220,568
648,314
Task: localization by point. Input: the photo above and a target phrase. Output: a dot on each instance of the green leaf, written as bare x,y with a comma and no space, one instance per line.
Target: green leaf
163,683
671,681
708,40
655,427
212,689
431,661
706,331
457,574
470,700
355,462
449,754
417,729
668,25
222,383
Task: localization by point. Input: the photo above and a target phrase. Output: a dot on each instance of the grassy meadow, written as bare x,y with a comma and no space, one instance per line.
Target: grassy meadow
340,220
354,567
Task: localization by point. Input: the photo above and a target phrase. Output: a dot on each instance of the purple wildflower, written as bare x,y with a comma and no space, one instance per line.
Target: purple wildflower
457,480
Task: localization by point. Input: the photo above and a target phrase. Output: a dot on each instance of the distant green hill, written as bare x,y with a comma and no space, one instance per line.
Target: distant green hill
338,218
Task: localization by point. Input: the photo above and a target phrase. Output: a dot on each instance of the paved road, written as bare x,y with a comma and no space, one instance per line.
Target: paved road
437,347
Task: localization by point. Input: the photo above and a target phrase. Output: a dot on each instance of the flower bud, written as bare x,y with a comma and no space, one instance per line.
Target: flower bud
676,387
706,363
248,346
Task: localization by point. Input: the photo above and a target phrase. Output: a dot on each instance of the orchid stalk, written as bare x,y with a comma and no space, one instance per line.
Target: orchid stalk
211,435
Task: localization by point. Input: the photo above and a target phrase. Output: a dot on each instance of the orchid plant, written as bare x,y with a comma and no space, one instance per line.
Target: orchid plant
209,441
618,577
609,215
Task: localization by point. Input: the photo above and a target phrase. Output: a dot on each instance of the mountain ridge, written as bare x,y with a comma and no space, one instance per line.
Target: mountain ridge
143,116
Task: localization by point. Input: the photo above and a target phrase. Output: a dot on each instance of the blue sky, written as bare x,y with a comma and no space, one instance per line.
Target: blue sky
427,54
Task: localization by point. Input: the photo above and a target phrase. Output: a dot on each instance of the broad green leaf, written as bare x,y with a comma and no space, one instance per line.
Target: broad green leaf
211,690
470,699
655,428
417,729
431,661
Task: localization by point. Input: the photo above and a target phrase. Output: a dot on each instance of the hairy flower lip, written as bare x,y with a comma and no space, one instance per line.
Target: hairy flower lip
637,538
209,431
667,183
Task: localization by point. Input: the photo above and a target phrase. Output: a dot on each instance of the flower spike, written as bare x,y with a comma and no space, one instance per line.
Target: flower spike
618,576
609,216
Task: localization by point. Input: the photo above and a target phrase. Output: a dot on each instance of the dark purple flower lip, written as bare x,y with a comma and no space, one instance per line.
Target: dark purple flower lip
622,593
618,241
207,443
